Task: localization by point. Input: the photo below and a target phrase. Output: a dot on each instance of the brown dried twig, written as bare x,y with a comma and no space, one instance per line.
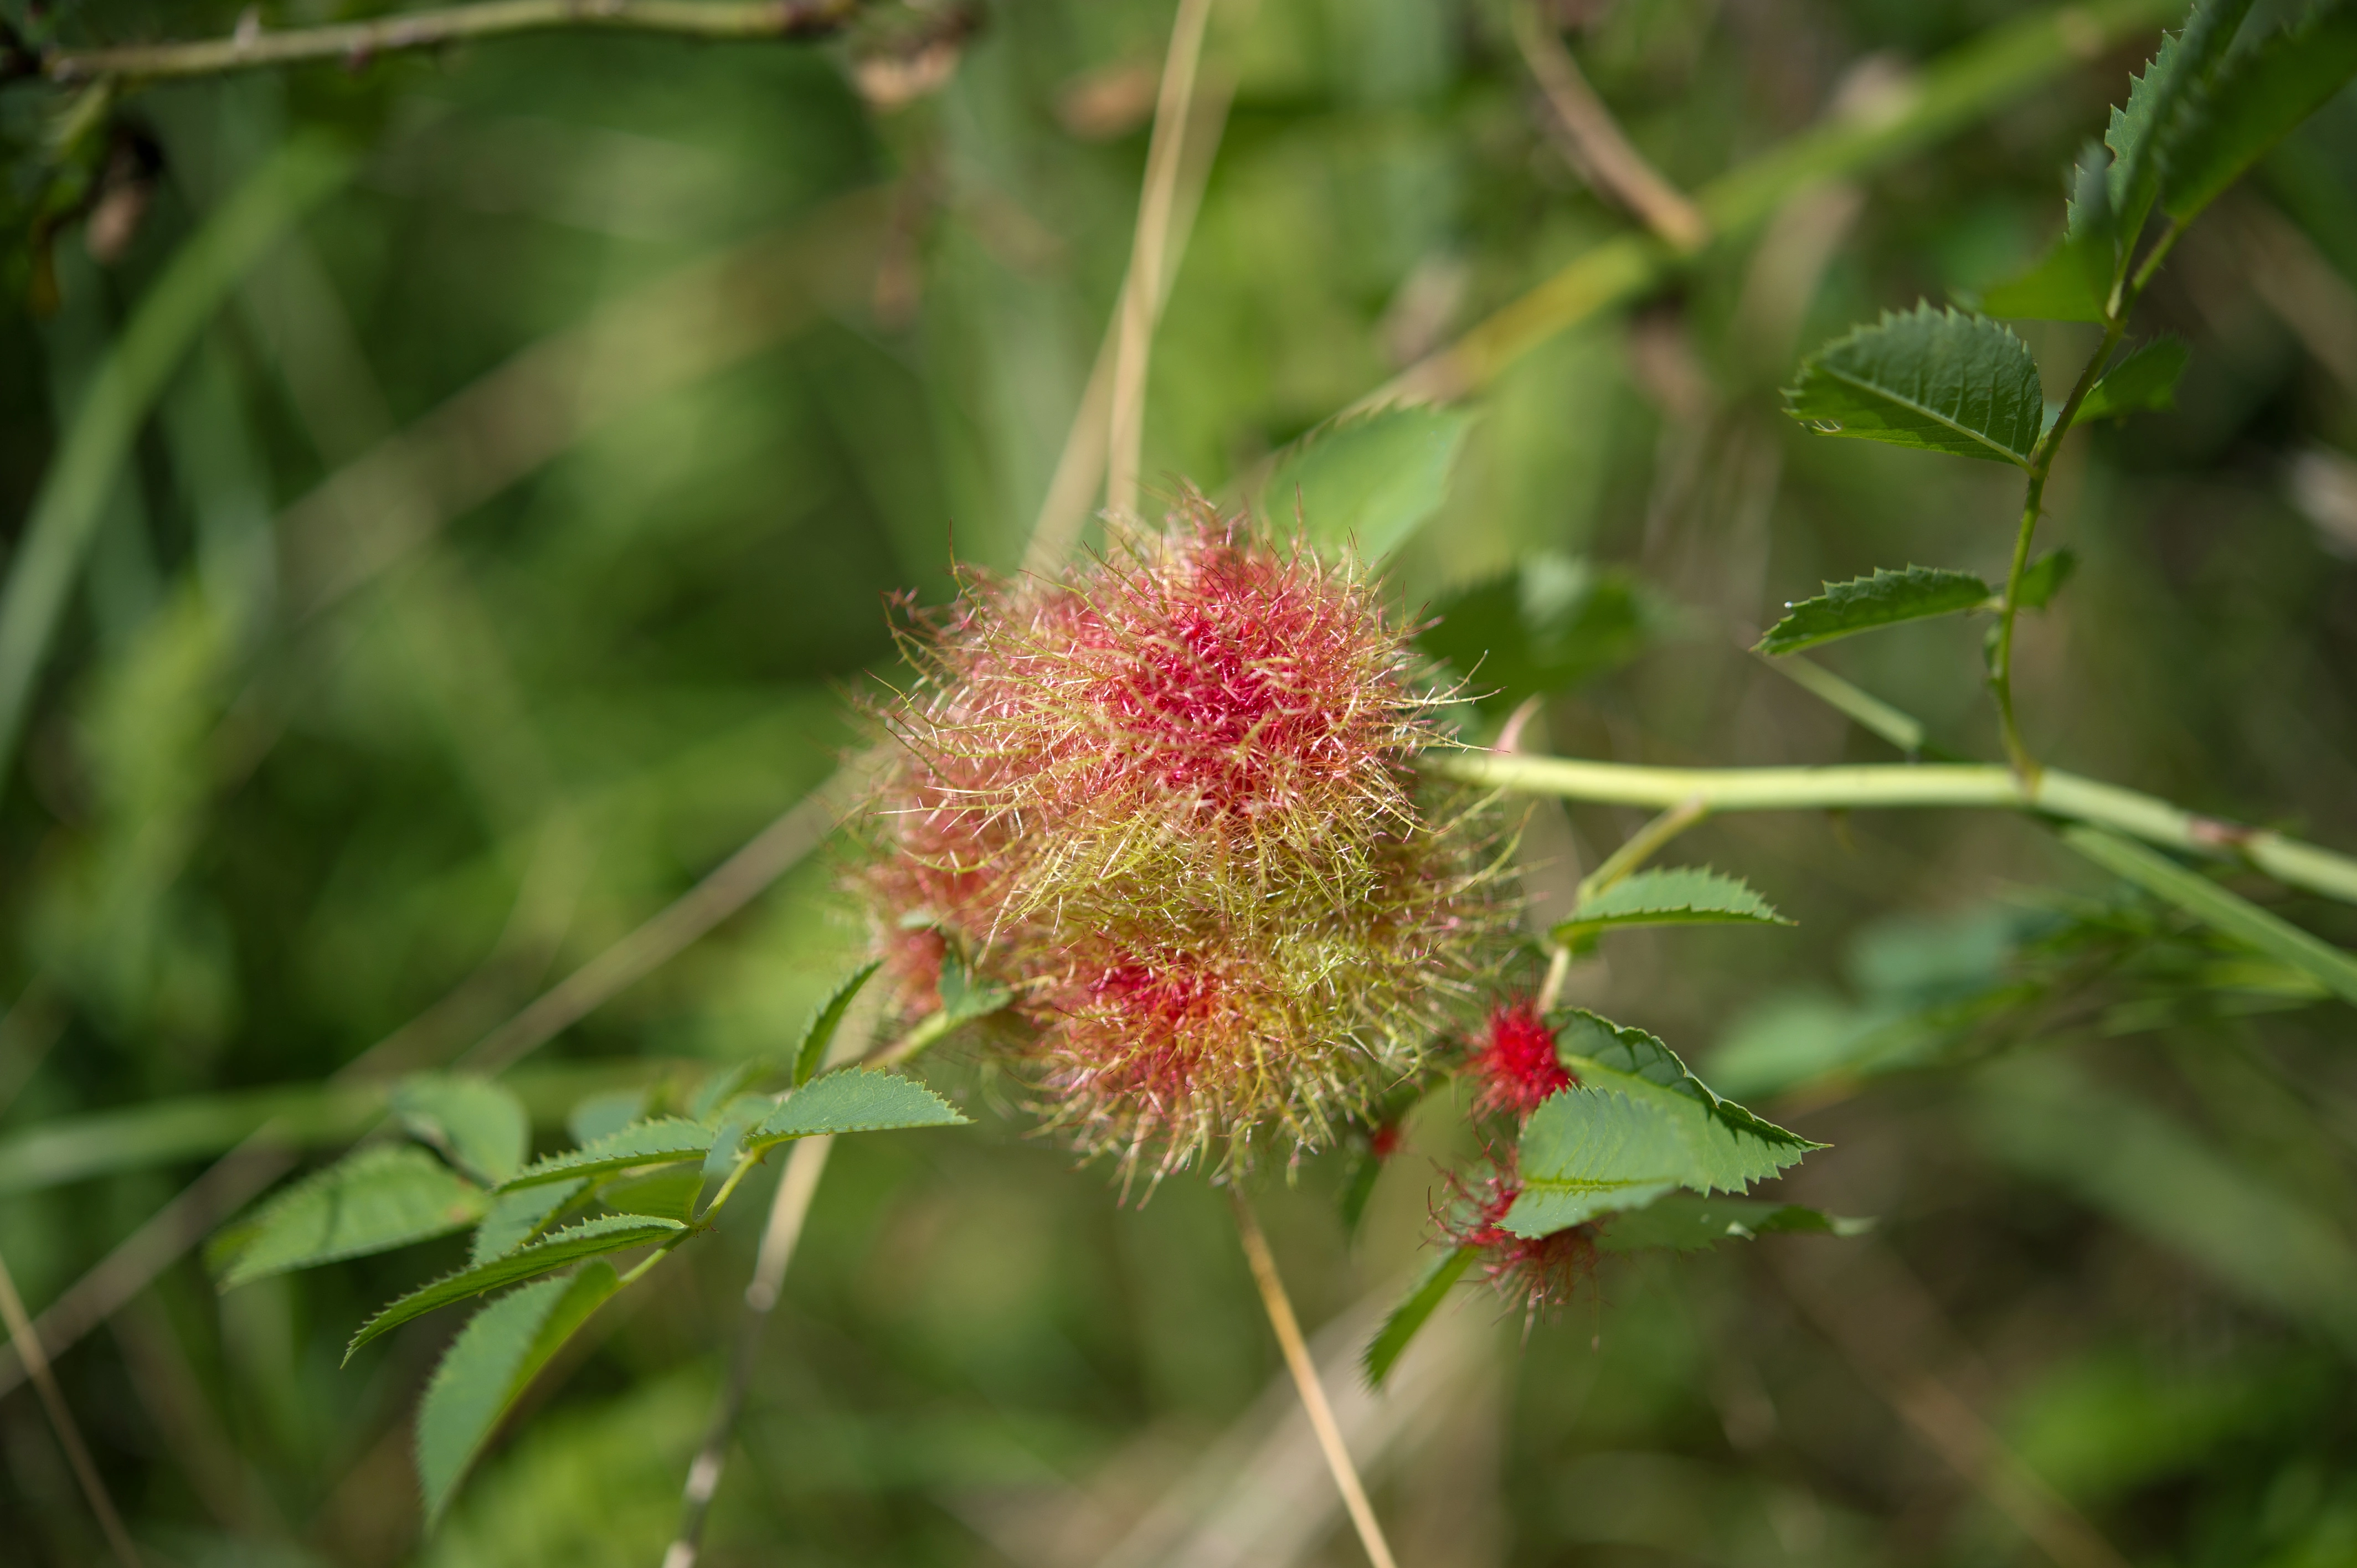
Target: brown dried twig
1599,149
253,47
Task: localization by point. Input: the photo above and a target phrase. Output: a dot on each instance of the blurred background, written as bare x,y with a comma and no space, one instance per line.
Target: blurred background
504,552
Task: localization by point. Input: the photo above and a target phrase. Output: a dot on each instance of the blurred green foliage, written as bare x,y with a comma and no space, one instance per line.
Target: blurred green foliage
314,768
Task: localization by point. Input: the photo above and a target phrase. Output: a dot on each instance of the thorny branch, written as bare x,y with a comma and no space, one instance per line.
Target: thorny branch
253,47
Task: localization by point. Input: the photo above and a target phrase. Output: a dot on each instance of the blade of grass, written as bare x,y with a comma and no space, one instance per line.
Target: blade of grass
94,456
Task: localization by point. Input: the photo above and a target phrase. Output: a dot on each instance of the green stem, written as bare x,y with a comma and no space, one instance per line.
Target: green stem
2051,792
2001,651
720,1199
2125,292
252,48
1642,845
2042,463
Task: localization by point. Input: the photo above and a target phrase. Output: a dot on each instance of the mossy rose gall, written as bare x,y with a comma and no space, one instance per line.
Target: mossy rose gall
1170,800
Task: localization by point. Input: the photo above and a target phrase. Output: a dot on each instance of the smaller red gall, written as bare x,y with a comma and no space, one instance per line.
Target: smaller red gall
1515,1067
1535,1272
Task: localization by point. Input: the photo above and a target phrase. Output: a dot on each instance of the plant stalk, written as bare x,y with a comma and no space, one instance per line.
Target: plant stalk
251,47
36,1362
2051,792
1642,845
2041,464
1143,291
779,1237
2126,291
1305,1379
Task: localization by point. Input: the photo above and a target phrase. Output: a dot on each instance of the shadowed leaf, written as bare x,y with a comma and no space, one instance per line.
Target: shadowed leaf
1687,1223
375,1200
517,1217
2155,106
2073,281
737,1119
2254,101
1554,622
1366,482
2145,379
474,1121
1414,1310
489,1367
613,1233
811,1055
2045,576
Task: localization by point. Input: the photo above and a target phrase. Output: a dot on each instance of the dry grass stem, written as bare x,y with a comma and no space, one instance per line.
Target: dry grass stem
1304,1379
1596,144
1141,298
37,1362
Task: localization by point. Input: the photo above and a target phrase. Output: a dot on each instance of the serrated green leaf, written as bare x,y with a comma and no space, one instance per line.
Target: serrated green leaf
853,1101
1688,1222
2219,907
1635,1125
667,1140
2089,221
1414,1310
2073,281
611,1233
1365,482
2145,379
487,1367
1868,604
479,1124
2158,104
517,1217
2256,101
1605,1044
2055,289
667,1194
1674,895
1930,378
376,1199
2045,576
1593,1150
811,1055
